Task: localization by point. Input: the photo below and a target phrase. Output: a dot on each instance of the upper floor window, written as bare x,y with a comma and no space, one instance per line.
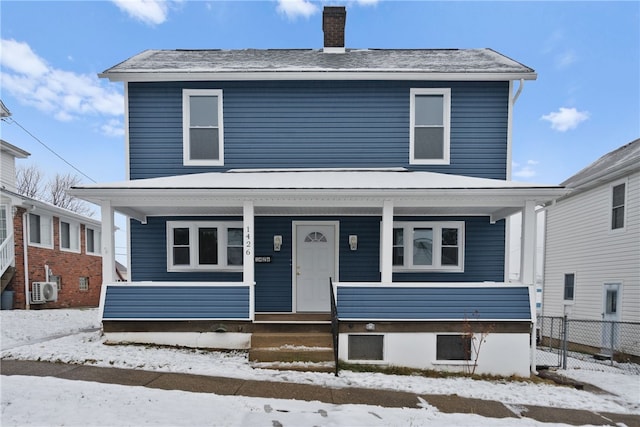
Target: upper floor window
204,246
4,224
40,230
202,130
92,241
69,236
433,246
430,126
617,206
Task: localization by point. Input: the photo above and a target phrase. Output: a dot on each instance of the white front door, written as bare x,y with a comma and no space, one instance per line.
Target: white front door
610,315
315,263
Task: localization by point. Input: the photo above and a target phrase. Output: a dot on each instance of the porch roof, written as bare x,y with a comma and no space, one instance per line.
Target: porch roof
317,191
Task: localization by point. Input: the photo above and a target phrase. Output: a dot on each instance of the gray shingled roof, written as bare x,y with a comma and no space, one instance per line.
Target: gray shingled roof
353,61
612,165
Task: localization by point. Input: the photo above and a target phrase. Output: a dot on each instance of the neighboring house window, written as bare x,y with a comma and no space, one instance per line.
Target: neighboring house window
92,240
40,230
453,347
203,133
430,111
4,225
69,236
617,206
569,286
84,284
204,246
428,246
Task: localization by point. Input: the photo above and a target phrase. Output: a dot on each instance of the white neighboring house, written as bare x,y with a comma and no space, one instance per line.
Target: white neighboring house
592,254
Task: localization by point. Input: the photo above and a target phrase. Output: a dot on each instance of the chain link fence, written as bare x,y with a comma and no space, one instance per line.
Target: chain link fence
584,344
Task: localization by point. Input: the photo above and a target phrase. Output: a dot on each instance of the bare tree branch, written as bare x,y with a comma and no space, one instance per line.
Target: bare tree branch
28,181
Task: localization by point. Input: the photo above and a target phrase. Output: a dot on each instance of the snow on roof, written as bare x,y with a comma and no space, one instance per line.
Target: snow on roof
608,167
326,179
247,61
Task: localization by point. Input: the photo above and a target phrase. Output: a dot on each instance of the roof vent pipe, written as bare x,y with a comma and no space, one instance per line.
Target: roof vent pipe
334,19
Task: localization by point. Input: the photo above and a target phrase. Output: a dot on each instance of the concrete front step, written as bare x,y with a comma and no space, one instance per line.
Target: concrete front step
291,354
297,366
312,339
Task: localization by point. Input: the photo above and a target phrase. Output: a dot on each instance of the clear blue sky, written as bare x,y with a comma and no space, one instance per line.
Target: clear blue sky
585,102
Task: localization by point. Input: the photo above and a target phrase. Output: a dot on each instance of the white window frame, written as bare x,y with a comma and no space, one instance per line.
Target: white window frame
4,223
49,219
446,124
72,224
97,242
624,206
436,266
186,114
193,227
564,285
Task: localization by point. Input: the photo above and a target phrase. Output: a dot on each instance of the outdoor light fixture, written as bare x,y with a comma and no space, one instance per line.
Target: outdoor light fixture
370,326
277,242
353,242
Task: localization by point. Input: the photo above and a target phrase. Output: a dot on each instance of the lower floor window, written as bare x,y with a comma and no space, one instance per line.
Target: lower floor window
428,246
204,245
453,347
84,283
366,347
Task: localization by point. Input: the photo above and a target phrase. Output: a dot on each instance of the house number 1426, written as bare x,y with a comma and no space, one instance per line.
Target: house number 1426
247,242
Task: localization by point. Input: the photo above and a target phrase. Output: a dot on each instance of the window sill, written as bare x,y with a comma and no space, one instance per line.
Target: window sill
453,362
37,245
206,270
428,270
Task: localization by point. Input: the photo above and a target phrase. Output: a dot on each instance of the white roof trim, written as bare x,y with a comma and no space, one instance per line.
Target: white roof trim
311,75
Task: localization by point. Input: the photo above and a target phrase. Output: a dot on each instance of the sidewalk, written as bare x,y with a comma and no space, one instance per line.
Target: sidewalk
280,390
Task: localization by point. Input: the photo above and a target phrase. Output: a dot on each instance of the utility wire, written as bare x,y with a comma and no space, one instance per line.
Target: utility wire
48,148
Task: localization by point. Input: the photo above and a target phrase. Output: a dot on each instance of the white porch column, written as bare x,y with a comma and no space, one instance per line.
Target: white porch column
528,270
386,261
108,243
248,270
528,244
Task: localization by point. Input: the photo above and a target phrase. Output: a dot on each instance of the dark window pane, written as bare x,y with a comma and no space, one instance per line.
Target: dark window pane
569,285
428,143
204,144
453,347
612,301
422,246
181,256
450,256
90,242
366,347
618,195
64,235
208,246
617,218
181,236
450,236
234,256
398,236
203,110
429,109
398,256
34,228
234,236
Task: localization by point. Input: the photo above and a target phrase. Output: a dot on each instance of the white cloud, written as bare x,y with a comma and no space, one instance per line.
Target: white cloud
63,94
566,118
526,171
295,8
367,2
113,128
151,12
566,58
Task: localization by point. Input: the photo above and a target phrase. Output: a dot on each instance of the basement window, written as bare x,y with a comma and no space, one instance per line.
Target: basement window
453,347
366,347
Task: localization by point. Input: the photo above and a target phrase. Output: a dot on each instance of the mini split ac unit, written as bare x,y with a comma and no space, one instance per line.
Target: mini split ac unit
42,292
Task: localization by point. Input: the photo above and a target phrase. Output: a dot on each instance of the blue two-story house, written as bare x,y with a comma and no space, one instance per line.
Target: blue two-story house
258,177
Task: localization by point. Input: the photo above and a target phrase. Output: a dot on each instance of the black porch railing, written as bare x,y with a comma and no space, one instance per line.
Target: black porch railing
334,325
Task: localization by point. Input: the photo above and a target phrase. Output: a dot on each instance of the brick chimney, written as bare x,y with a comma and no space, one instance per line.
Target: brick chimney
333,23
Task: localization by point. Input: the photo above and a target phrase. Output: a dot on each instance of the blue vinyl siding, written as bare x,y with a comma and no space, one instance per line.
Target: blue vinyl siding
318,124
439,303
484,255
176,302
149,253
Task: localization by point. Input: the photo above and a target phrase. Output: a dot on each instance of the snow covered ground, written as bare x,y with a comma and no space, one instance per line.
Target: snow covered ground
72,336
